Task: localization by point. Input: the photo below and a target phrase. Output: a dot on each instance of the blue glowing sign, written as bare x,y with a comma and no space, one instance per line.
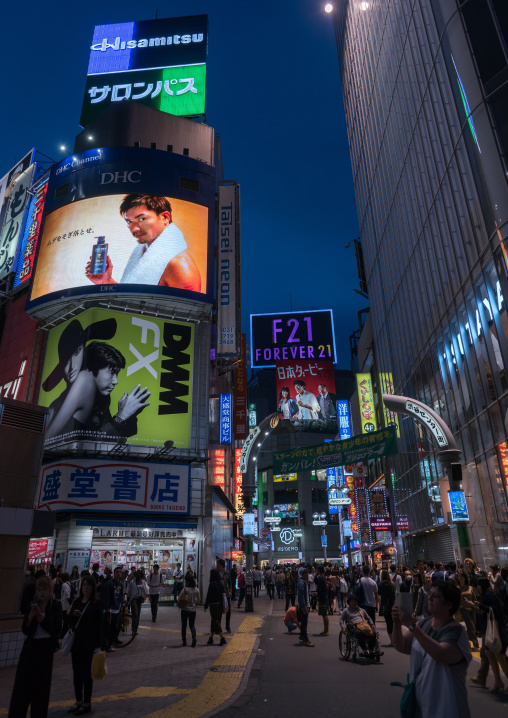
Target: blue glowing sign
344,420
226,411
458,506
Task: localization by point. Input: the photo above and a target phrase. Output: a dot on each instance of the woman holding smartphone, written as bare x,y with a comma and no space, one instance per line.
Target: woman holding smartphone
41,625
86,620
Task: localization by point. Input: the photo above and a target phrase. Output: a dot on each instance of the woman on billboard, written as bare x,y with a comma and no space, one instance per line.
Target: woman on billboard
287,406
161,256
86,406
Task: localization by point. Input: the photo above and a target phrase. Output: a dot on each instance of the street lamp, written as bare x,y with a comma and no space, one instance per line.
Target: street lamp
321,519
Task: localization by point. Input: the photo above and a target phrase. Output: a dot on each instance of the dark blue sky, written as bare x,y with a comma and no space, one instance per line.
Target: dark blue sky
273,94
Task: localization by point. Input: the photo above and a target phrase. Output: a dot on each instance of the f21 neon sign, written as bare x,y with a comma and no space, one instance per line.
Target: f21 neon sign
292,335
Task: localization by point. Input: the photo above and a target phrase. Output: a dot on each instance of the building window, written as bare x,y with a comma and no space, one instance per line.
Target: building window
186,151
153,145
170,148
136,144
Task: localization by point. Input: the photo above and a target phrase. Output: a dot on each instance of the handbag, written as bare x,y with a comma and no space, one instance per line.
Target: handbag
225,604
183,600
68,639
365,628
492,637
99,667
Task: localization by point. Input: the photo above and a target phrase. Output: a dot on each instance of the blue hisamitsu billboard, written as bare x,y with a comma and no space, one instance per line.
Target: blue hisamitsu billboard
126,220
160,63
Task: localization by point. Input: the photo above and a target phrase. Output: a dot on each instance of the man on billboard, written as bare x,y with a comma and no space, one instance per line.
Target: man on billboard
309,407
160,257
86,407
326,403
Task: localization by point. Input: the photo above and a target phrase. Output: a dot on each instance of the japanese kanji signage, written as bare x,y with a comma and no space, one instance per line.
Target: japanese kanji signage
20,340
7,183
380,519
306,394
226,418
110,375
160,63
292,335
228,270
343,419
28,244
390,417
336,453
366,399
14,220
92,485
217,467
239,505
99,208
503,459
241,394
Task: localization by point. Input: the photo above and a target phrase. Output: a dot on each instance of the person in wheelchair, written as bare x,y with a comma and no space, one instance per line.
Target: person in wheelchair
357,620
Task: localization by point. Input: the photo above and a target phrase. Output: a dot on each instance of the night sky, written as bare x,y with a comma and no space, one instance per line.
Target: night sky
273,94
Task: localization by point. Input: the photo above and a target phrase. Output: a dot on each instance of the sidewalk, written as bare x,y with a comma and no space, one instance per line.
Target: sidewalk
157,677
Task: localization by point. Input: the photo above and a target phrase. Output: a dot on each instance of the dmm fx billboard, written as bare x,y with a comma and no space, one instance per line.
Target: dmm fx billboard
109,375
292,335
228,270
101,485
160,63
366,400
126,220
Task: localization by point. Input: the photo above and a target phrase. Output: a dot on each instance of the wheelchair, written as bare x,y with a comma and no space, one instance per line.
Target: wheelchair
349,645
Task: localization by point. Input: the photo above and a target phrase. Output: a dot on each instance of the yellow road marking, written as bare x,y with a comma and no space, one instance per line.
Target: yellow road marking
212,692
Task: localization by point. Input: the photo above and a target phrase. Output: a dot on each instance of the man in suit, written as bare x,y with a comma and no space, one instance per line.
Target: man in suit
327,403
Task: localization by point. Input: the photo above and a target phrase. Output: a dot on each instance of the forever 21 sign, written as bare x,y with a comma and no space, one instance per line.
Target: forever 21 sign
292,335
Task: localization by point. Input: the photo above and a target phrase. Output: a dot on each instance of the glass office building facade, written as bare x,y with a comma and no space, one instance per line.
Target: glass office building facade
425,86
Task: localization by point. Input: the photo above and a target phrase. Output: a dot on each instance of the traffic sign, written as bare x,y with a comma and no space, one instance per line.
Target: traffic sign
324,541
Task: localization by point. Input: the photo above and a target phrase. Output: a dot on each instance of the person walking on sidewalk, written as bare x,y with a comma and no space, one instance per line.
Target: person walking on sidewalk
234,576
269,582
241,586
216,602
322,595
303,605
190,594
137,593
41,625
290,587
225,577
112,596
86,620
370,594
257,578
178,584
154,589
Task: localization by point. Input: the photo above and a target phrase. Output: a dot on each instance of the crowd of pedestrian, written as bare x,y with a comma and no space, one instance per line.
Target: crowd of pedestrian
437,614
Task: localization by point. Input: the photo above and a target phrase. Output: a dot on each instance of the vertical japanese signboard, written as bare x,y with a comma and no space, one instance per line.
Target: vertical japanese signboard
380,519
228,270
28,244
14,220
349,481
241,393
366,399
390,417
217,468
363,516
226,418
239,505
91,485
160,63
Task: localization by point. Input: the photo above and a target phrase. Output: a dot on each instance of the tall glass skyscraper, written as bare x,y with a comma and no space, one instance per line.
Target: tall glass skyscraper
425,86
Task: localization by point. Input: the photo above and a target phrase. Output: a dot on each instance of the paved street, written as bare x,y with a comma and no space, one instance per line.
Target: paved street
261,671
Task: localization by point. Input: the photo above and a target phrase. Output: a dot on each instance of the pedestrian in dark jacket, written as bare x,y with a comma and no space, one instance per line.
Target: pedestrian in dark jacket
41,626
215,601
86,620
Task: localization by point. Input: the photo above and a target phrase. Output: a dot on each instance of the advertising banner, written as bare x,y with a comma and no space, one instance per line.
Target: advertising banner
7,183
363,517
336,453
241,393
226,418
101,485
306,394
285,477
19,340
37,549
109,375
380,519
239,504
79,558
160,63
29,241
228,270
352,508
390,417
116,220
292,335
217,468
14,220
366,399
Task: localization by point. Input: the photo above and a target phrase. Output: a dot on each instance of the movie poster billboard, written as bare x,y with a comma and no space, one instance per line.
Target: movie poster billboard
306,394
123,221
110,376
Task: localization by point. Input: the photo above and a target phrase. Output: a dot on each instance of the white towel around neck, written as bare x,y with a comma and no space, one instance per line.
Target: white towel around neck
147,265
